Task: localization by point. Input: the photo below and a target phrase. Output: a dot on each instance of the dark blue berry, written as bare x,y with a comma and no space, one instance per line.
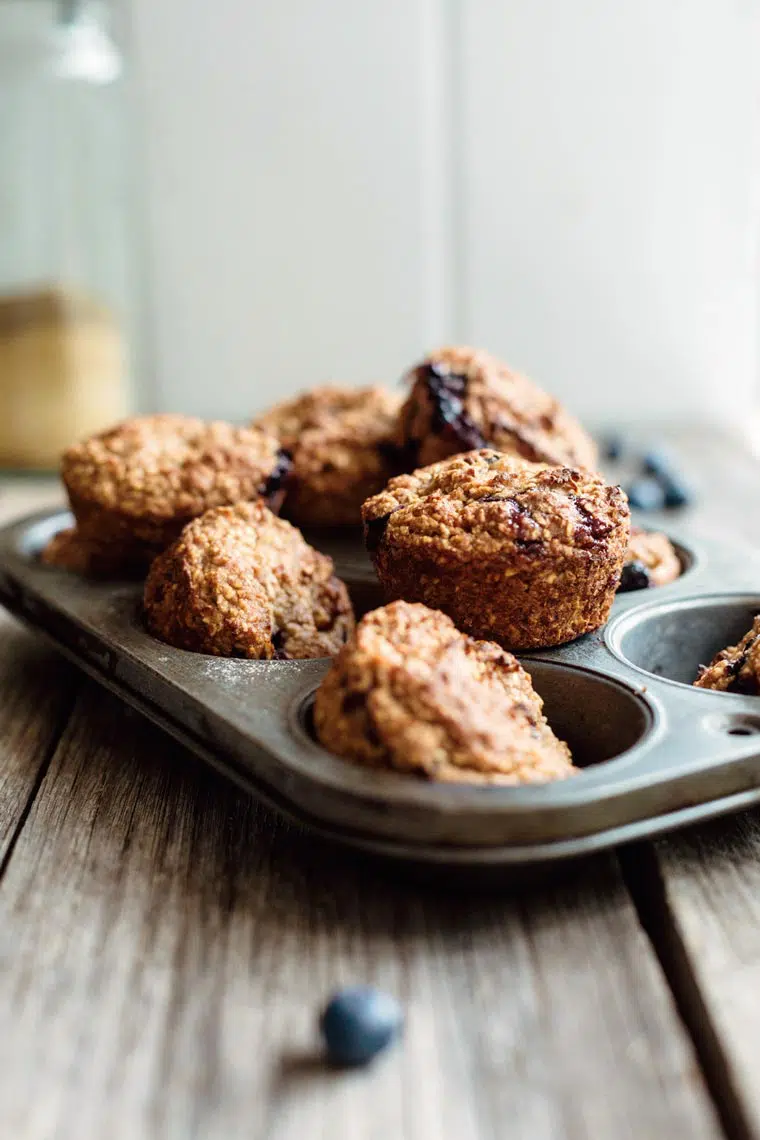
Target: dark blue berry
646,495
359,1023
613,447
635,576
677,493
658,462
447,391
374,530
274,484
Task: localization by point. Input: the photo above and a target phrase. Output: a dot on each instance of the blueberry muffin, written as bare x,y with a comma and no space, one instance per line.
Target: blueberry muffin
135,486
411,693
71,550
341,441
463,399
239,582
735,669
651,560
522,553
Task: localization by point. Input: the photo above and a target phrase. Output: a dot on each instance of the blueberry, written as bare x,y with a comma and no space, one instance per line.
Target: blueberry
635,576
677,493
358,1023
374,530
658,462
276,481
646,495
613,447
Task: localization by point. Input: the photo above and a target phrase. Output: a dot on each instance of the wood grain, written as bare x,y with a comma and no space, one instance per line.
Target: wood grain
36,688
697,892
699,895
36,695
165,947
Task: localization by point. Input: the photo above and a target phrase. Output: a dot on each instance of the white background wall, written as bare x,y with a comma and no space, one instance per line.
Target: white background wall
335,187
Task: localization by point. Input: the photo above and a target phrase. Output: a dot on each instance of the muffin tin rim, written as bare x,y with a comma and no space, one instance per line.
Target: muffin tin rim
597,785
649,706
617,626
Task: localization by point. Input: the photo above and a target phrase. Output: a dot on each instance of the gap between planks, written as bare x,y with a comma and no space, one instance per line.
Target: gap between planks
37,692
643,876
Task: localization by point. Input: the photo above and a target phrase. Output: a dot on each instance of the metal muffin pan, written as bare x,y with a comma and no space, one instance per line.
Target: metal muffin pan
656,753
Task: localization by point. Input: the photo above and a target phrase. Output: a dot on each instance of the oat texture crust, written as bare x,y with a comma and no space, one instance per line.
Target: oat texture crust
525,554
240,582
735,669
464,398
341,441
136,485
411,693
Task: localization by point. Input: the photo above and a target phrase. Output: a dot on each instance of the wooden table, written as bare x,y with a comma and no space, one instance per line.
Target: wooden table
165,945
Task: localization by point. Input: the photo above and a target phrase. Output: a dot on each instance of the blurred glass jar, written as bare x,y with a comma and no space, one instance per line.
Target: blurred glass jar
66,234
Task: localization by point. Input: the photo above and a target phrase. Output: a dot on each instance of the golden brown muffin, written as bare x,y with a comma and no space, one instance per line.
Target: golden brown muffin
521,553
137,484
463,398
412,693
735,669
69,550
651,560
341,440
239,582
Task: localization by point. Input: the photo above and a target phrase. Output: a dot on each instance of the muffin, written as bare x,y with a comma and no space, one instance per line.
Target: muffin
521,553
735,669
73,551
135,486
411,693
463,399
239,582
341,441
651,560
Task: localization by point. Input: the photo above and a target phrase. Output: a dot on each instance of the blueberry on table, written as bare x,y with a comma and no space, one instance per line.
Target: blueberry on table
635,576
646,495
658,462
358,1023
613,447
677,493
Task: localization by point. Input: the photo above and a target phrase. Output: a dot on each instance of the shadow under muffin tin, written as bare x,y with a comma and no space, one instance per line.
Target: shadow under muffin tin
655,752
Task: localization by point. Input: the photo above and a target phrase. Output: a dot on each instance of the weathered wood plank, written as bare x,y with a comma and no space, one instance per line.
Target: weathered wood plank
165,944
697,892
36,686
700,897
36,696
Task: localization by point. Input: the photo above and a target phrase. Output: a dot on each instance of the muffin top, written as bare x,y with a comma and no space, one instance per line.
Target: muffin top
463,398
483,504
358,415
240,582
341,440
410,692
171,466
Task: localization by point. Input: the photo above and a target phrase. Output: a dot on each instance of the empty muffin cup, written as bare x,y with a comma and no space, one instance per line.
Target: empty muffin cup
672,639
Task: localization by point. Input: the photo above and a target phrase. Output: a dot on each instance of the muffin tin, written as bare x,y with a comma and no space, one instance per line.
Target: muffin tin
656,753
